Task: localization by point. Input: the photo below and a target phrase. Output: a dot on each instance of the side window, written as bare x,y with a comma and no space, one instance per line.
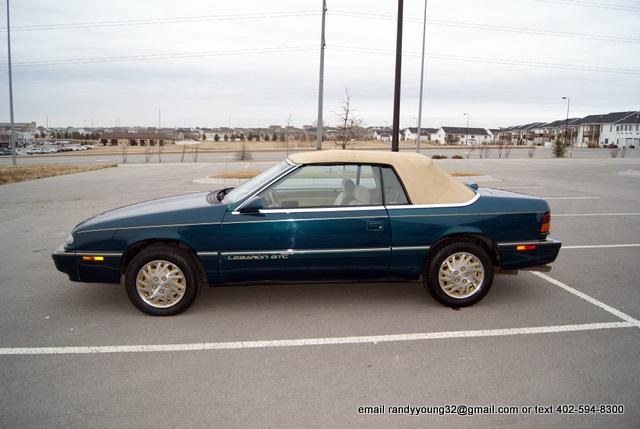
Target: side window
393,192
335,185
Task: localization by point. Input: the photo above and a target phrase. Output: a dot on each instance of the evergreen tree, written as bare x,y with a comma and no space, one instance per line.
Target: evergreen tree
558,148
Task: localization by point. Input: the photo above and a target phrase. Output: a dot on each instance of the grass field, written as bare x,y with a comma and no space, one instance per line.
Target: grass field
20,173
253,146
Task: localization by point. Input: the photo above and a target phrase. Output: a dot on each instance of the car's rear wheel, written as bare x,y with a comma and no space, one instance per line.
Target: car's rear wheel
459,274
162,280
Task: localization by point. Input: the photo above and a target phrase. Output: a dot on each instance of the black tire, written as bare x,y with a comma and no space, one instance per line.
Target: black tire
174,255
432,268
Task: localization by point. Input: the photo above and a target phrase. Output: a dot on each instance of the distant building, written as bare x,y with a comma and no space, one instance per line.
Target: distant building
26,132
462,135
619,128
19,126
136,139
384,134
425,133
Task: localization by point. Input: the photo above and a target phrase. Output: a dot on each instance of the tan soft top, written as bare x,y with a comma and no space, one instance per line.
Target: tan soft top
425,182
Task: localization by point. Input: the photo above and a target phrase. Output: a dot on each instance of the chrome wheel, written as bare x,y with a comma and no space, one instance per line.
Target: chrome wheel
161,284
461,275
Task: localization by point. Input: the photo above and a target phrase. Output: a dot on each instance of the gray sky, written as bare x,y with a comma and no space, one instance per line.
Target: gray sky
264,88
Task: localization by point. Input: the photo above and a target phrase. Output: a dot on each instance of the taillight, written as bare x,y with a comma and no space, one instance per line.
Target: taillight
546,223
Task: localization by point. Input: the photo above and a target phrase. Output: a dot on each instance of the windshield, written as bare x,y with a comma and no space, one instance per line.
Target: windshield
261,179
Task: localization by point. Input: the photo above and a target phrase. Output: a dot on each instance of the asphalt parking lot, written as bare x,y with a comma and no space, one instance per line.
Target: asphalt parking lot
570,336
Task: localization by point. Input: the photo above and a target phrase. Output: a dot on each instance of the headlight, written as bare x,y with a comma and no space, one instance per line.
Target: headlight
69,240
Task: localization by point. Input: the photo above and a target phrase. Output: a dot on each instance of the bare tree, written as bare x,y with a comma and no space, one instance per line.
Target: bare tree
243,154
286,139
160,149
472,148
531,151
195,153
147,152
184,150
125,149
501,144
349,124
507,150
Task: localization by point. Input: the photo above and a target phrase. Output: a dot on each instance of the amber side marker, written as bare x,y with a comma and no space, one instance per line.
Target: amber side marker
527,247
93,258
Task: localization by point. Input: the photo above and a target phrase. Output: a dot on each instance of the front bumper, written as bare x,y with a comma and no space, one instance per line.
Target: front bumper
545,252
78,269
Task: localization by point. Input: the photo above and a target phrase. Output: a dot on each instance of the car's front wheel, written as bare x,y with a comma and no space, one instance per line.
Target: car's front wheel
162,280
459,274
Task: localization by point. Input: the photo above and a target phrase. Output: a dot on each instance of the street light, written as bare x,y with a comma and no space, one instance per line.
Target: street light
12,137
566,125
395,137
424,37
466,134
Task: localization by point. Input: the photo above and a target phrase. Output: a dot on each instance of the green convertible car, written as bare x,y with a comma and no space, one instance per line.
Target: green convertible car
315,217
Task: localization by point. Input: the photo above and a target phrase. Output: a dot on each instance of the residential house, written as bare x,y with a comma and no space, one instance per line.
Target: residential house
619,128
556,130
412,133
461,135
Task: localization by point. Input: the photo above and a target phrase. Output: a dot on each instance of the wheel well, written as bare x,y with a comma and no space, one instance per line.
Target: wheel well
138,247
479,239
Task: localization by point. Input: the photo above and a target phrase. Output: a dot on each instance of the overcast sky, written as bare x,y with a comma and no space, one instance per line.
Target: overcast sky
261,88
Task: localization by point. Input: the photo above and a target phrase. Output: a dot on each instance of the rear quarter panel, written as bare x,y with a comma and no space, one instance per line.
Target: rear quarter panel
497,215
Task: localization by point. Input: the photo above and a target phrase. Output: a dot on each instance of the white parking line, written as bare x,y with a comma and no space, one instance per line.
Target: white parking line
594,214
588,298
521,187
301,342
600,246
570,198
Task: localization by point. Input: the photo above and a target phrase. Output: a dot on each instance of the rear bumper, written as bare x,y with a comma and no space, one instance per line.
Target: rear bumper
545,252
80,270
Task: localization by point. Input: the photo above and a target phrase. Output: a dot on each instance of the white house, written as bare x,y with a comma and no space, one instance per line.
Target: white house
384,134
619,128
461,135
425,133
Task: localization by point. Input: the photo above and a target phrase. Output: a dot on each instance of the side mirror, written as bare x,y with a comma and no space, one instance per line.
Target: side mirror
472,185
253,205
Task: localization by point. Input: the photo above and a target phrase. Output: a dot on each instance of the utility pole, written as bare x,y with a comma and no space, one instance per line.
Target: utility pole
566,125
319,126
12,137
466,133
424,38
395,138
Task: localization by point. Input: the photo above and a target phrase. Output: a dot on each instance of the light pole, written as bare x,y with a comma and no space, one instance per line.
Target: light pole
12,137
319,126
566,125
424,37
395,138
466,133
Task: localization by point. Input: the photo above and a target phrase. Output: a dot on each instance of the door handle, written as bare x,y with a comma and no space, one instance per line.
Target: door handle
375,226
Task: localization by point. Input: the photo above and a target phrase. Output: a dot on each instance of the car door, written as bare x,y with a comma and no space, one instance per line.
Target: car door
319,222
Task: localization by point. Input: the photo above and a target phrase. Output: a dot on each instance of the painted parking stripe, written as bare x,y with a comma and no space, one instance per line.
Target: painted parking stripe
588,298
302,342
570,198
600,246
594,214
521,187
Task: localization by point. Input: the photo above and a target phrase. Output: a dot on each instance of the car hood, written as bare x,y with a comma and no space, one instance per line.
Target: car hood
177,210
